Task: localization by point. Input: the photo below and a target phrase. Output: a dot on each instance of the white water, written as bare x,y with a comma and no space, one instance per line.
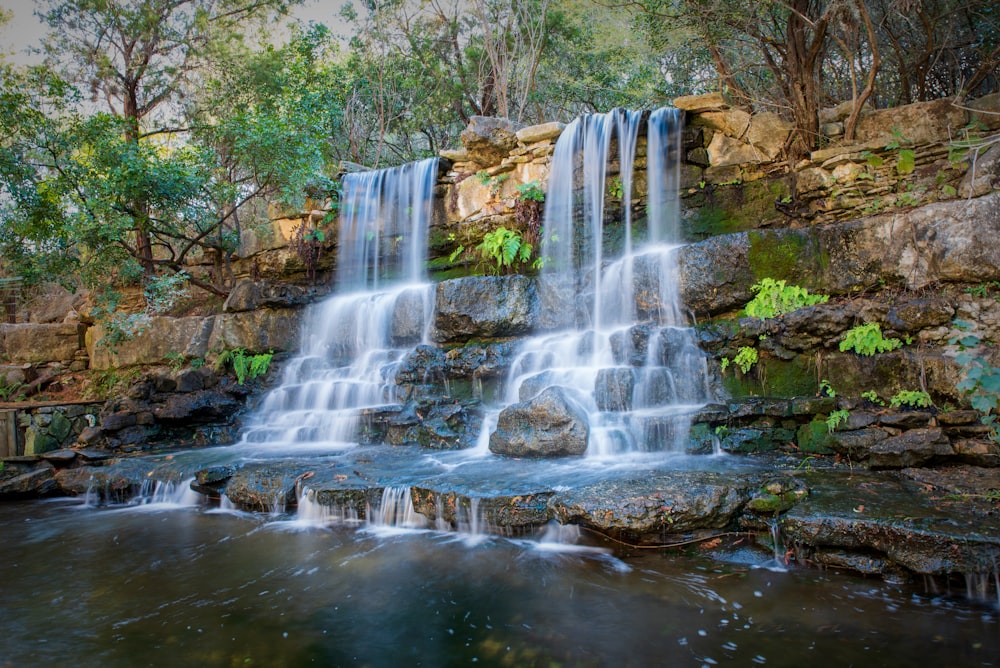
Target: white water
352,342
630,360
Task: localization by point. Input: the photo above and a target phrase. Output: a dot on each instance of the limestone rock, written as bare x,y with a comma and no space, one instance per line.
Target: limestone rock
985,178
732,122
768,133
262,330
39,343
251,295
986,110
919,123
484,306
536,133
552,424
55,305
698,103
725,151
489,140
455,155
164,336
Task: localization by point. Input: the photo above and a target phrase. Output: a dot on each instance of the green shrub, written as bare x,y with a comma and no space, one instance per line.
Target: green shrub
774,298
911,398
867,340
244,366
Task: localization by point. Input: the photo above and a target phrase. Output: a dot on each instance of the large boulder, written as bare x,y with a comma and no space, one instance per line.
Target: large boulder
489,140
39,343
552,424
251,295
484,307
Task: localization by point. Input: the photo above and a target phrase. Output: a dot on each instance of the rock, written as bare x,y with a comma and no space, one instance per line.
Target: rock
37,482
917,314
911,448
613,389
39,343
768,133
862,513
268,487
984,176
55,305
857,443
698,103
455,155
489,140
715,274
251,295
732,122
64,456
197,407
725,151
60,428
537,133
118,420
164,337
650,509
905,419
919,123
190,380
212,479
484,307
986,110
551,424
263,330
409,314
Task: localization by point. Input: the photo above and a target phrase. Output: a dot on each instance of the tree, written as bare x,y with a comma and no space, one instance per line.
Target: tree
137,58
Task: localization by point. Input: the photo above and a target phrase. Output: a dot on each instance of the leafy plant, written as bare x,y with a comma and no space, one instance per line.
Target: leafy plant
872,396
867,340
531,190
11,391
245,366
911,398
615,188
506,248
825,389
773,298
724,364
837,418
981,381
745,358
494,183
174,359
983,289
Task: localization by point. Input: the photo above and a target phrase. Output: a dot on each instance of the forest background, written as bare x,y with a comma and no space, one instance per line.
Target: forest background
140,135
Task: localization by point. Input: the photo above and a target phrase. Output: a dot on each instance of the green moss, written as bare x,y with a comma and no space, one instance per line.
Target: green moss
774,378
770,503
792,255
814,438
724,209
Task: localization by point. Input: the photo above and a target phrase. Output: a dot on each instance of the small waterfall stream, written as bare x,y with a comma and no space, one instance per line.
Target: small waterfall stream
380,309
630,361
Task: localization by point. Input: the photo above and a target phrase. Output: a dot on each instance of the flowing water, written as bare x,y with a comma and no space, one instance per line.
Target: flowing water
149,586
380,310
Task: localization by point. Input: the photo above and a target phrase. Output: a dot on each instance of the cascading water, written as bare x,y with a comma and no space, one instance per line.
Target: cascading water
381,308
630,360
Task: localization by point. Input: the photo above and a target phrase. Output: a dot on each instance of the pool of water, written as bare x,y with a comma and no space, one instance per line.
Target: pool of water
157,585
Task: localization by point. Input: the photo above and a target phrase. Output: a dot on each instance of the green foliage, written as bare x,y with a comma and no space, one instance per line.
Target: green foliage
836,418
981,380
506,249
615,187
175,360
11,391
984,289
773,298
531,190
724,364
867,340
745,358
245,366
825,389
911,398
872,396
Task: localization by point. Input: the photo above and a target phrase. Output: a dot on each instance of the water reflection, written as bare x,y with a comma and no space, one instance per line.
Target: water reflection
187,587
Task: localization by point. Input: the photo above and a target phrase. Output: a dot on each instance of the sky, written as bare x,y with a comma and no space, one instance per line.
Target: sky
24,30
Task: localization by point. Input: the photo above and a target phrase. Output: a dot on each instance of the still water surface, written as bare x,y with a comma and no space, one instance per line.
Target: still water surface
160,586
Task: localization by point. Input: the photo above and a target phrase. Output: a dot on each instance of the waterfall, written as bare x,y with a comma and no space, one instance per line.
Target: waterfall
380,309
631,359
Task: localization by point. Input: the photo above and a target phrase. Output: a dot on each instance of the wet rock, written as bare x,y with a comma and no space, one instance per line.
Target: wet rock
505,513
978,452
649,510
60,457
408,317
484,307
613,389
865,564
905,419
118,420
856,444
911,448
268,487
863,513
212,480
631,346
777,496
715,274
38,481
552,424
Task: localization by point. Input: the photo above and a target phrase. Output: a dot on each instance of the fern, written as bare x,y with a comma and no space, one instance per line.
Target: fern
867,340
773,298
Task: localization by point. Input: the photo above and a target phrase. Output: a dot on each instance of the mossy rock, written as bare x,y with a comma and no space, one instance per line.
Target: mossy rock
814,438
793,255
773,378
735,208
